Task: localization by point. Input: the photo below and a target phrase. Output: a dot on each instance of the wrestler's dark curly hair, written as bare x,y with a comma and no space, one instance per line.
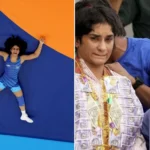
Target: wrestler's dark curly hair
15,40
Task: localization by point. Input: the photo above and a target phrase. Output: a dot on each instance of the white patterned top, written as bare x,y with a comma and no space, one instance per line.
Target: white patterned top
125,114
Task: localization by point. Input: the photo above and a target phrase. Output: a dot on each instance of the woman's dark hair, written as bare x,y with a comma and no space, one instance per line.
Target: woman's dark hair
97,3
15,40
90,12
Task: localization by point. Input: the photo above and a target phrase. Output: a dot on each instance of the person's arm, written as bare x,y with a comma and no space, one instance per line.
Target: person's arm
4,55
143,91
128,11
115,4
35,54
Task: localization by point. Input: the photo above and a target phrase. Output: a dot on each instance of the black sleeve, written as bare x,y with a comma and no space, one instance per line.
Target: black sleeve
128,11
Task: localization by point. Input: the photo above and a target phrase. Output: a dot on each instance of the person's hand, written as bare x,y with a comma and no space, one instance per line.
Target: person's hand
42,39
116,67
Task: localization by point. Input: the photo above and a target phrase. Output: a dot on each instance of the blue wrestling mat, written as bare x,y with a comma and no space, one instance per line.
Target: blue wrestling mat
48,87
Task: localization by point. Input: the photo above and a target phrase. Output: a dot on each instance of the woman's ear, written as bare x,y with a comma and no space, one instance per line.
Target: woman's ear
77,43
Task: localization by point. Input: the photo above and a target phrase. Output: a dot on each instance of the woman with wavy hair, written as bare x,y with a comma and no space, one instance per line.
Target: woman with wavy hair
14,56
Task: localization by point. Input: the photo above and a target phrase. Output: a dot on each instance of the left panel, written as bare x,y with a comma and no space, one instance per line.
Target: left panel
37,83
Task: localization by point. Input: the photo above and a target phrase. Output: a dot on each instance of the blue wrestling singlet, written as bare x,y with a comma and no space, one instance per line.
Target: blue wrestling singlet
10,76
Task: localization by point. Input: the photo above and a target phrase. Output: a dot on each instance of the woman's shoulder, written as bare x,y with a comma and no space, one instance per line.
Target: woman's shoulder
120,77
115,73
108,71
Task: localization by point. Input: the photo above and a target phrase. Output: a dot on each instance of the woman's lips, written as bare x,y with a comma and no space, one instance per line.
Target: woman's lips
98,55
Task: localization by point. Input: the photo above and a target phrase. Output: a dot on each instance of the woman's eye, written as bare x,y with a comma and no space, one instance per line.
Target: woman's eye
109,39
94,38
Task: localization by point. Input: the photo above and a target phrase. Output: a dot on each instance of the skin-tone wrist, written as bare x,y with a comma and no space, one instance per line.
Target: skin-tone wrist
41,42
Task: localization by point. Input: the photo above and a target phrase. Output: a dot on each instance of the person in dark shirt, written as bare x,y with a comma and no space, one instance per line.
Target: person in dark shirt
136,12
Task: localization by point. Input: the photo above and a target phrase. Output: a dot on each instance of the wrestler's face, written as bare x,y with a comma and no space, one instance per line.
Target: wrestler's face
15,50
96,47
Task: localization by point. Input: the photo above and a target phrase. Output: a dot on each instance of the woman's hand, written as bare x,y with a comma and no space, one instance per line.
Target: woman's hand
42,39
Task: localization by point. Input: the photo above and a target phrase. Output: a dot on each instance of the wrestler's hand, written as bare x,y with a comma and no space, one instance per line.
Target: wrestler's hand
42,39
117,67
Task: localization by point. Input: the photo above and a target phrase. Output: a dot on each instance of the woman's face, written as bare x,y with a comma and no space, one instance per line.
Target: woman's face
96,47
15,50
